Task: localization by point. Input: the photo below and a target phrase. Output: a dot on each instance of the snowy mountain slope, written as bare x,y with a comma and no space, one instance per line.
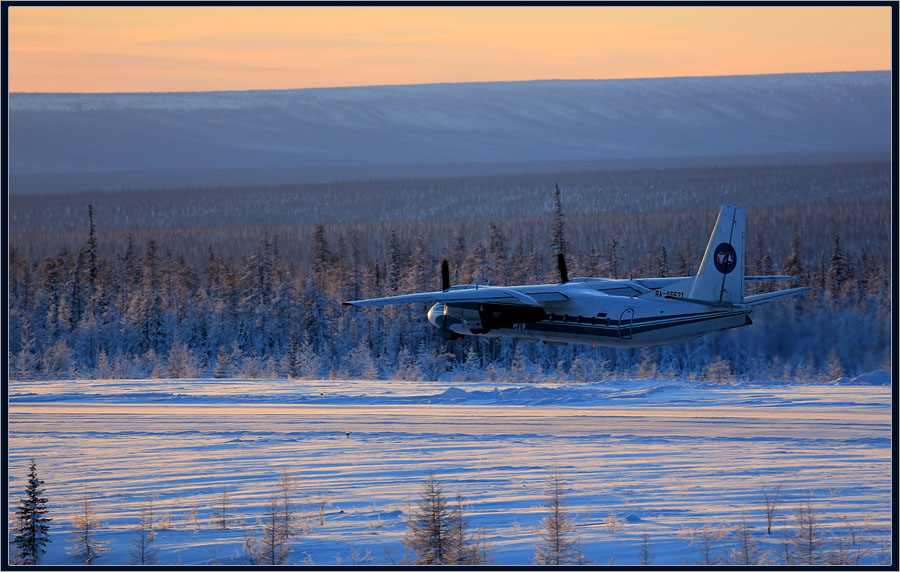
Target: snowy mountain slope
447,124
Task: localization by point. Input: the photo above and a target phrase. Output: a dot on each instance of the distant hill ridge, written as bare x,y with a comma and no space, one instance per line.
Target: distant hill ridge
61,141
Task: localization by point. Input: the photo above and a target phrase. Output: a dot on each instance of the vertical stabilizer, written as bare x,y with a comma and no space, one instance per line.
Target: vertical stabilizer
721,274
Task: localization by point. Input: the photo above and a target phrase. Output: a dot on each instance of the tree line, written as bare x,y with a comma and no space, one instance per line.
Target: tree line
147,312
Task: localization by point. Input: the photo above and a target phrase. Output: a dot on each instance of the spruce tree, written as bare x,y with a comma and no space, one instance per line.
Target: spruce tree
837,272
559,243
662,263
497,256
321,255
146,306
95,298
612,245
32,529
294,365
27,360
223,360
395,263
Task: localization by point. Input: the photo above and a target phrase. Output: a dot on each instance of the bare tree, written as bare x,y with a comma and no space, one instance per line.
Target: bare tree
840,553
644,550
222,515
429,526
322,502
249,544
357,557
85,546
149,507
849,548
771,498
192,517
747,552
272,548
612,523
287,486
808,544
558,544
787,552
143,552
438,535
464,549
707,539
486,552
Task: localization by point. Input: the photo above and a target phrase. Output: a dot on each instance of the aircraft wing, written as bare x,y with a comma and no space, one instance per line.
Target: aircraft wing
488,294
758,299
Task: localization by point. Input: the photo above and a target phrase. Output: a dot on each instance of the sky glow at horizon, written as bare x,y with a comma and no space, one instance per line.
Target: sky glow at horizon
198,48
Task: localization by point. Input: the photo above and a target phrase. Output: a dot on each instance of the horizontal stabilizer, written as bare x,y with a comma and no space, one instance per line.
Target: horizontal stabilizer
758,299
766,278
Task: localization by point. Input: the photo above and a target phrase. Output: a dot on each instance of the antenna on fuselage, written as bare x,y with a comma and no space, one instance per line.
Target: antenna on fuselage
563,273
445,275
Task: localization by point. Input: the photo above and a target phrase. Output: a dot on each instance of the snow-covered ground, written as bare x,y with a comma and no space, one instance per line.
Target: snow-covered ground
664,457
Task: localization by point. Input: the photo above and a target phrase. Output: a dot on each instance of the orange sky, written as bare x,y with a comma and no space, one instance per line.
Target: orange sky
171,48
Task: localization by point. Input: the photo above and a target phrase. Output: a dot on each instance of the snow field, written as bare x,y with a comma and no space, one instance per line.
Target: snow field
640,456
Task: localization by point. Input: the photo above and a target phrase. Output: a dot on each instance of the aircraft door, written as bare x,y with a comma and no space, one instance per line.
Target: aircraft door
625,324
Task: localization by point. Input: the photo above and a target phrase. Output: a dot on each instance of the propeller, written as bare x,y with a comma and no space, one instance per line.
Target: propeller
445,275
444,331
563,273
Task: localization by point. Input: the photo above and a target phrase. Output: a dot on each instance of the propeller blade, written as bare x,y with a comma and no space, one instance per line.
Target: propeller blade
445,275
563,273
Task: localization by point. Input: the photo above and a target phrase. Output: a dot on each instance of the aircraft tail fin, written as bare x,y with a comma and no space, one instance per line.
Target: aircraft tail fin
720,279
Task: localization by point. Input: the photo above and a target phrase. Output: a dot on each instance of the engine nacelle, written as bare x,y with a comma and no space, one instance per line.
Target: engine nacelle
476,318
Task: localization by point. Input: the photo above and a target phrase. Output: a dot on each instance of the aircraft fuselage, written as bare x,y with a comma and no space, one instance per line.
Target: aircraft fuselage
607,312
589,316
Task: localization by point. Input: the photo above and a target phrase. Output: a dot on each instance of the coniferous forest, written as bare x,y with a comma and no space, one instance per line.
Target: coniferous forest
248,282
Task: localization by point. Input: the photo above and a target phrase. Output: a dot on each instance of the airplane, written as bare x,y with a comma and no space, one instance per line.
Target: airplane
607,312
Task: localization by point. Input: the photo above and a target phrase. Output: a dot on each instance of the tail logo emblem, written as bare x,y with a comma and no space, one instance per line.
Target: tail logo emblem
725,258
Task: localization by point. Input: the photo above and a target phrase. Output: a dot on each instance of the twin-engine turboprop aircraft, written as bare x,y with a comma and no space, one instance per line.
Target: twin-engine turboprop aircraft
605,312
